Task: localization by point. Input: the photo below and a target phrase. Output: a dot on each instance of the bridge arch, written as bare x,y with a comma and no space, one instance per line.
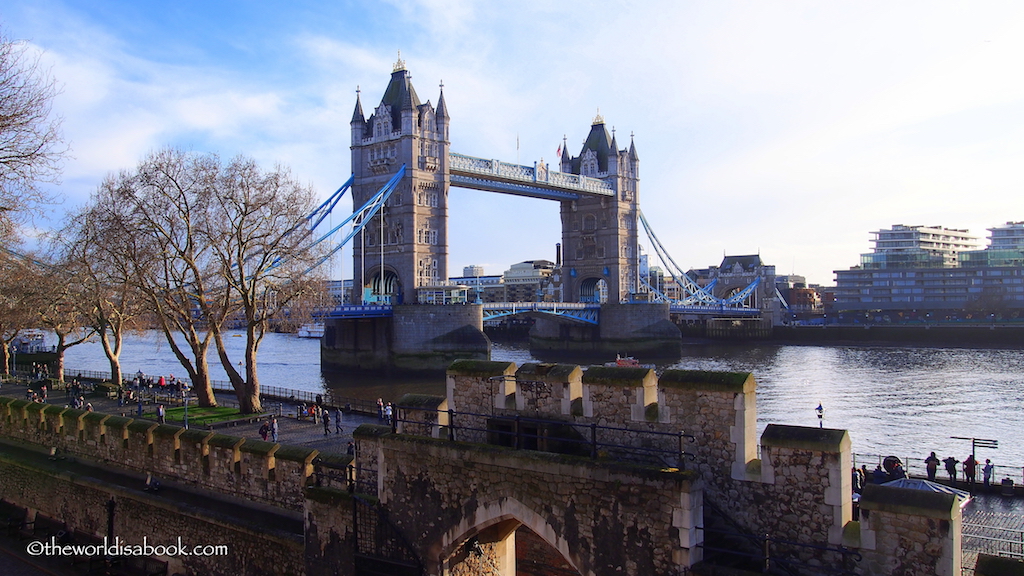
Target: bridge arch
383,288
593,290
498,521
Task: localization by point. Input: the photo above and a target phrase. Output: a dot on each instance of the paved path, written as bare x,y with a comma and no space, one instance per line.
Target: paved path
292,431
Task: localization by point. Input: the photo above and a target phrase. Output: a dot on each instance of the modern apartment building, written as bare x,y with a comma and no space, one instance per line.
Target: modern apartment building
919,272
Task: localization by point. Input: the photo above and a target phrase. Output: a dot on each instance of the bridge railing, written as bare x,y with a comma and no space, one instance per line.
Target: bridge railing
520,173
550,435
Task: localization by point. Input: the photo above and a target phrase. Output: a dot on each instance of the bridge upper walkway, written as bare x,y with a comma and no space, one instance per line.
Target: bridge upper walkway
535,182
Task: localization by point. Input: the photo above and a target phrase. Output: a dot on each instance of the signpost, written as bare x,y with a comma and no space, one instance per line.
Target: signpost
979,443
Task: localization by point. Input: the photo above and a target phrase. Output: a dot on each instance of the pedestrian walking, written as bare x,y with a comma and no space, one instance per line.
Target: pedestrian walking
273,429
264,431
388,413
337,420
380,409
160,413
327,422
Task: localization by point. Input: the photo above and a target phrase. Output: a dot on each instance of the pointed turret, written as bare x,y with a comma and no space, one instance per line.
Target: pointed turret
632,149
442,109
357,114
358,122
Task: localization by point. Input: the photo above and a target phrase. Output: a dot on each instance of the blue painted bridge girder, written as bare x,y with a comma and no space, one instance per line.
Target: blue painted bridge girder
588,313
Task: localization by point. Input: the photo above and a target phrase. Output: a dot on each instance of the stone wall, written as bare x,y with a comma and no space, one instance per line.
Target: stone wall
909,532
251,469
329,532
798,490
81,502
603,517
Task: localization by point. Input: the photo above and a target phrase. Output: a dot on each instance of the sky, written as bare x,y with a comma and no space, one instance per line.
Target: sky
786,129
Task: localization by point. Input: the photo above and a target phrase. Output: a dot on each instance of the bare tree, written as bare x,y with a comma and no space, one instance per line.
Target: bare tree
93,249
260,237
31,145
22,295
165,204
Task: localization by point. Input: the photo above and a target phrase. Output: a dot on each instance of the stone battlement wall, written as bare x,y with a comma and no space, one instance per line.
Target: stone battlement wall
81,504
251,469
799,489
604,517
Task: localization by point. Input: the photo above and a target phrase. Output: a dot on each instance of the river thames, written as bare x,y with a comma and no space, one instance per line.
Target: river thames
904,401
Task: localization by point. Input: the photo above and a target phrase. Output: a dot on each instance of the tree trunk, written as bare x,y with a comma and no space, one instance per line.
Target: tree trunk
113,355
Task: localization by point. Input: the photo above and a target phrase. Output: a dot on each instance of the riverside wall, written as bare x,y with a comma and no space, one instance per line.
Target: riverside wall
258,471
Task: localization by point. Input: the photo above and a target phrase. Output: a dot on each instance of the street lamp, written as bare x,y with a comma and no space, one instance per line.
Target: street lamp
184,396
821,415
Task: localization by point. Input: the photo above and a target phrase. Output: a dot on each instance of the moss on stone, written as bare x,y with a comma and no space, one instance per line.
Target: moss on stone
803,437
259,447
546,372
371,431
35,407
615,375
296,454
479,368
167,430
225,441
707,380
140,426
19,404
336,461
75,414
119,422
195,436
54,410
420,401
5,400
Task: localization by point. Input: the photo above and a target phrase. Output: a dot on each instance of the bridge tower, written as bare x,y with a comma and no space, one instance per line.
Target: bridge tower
599,233
405,246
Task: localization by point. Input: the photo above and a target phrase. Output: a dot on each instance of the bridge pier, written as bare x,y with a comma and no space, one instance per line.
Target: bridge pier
414,338
640,329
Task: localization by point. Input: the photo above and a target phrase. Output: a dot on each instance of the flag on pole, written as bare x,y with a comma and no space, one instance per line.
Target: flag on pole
559,153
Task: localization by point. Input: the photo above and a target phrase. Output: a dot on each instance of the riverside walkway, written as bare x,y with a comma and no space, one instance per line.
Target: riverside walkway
292,430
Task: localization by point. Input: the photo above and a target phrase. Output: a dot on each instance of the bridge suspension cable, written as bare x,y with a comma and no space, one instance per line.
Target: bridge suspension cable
359,217
693,294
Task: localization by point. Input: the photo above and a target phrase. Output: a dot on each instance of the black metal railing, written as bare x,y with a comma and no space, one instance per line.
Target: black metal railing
560,436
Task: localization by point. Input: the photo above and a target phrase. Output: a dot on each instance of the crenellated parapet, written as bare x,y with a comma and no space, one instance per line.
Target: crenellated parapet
260,471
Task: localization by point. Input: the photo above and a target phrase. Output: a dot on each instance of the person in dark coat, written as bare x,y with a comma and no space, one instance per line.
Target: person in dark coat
951,463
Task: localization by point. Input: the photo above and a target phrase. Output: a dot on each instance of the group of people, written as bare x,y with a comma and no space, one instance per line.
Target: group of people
861,476
969,466
385,412
269,429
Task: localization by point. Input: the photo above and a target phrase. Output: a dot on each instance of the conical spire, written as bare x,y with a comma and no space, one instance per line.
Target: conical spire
357,114
442,110
632,148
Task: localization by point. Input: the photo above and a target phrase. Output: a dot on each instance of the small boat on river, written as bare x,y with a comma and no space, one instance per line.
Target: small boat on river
627,362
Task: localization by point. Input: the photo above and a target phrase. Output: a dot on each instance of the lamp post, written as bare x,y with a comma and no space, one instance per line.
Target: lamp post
184,397
821,415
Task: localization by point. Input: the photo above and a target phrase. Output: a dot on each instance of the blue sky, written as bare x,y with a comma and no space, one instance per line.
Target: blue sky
789,129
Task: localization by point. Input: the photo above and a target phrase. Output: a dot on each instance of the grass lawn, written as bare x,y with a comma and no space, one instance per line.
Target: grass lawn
201,416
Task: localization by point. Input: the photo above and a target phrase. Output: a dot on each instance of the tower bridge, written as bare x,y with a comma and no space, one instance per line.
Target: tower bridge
403,168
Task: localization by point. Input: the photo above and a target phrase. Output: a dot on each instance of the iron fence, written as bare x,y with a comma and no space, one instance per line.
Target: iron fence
523,433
